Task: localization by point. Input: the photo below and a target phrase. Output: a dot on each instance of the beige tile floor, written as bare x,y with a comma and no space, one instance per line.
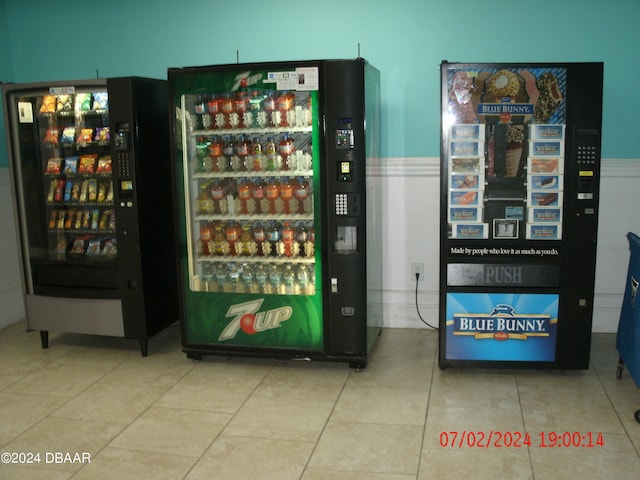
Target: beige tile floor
167,417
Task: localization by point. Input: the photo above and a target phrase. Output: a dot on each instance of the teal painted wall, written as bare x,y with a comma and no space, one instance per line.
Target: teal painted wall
405,39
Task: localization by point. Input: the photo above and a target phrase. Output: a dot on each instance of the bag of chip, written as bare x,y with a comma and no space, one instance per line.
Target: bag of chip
68,135
104,164
102,134
100,101
86,135
48,104
51,136
83,102
71,165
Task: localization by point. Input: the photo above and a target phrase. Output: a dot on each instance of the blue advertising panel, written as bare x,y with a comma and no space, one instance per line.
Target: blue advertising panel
501,326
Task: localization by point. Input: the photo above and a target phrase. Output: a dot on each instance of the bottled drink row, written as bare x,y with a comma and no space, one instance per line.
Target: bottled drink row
252,110
271,239
281,279
255,196
241,153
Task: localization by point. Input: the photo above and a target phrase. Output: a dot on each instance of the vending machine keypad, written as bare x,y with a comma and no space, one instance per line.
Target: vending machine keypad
342,204
587,155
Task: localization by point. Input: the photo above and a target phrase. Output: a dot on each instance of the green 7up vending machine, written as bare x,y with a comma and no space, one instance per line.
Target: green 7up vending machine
279,233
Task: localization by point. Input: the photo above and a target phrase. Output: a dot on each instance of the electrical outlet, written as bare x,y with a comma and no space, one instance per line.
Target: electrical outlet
417,268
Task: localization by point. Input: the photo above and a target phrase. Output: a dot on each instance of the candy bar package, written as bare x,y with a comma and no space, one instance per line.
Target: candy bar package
84,190
78,224
68,135
52,219
58,193
110,192
95,218
68,223
92,190
86,218
67,191
61,216
75,192
104,219
102,191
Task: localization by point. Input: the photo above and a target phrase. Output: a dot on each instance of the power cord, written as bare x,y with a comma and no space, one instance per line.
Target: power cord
418,309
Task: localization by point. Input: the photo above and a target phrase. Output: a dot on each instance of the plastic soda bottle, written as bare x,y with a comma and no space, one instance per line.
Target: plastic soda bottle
217,194
232,237
216,152
244,194
261,277
286,109
257,158
289,280
270,108
258,115
205,201
271,154
229,111
259,235
257,193
243,150
272,192
242,107
286,194
301,193
215,111
286,149
200,109
205,238
303,278
288,239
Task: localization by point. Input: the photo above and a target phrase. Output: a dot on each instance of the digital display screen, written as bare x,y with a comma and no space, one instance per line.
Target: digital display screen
126,185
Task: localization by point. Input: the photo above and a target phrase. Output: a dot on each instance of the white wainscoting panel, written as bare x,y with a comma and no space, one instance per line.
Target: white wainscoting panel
11,302
412,220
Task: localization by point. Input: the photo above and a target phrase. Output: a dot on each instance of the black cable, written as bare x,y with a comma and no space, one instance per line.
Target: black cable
418,309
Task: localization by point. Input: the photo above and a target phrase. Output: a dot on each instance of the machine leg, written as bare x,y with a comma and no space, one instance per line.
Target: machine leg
620,369
44,338
144,347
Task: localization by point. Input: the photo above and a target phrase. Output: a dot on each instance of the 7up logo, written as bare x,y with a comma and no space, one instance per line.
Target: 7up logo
246,317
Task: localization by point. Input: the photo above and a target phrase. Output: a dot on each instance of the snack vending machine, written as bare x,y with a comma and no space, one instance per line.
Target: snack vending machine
278,219
520,171
89,164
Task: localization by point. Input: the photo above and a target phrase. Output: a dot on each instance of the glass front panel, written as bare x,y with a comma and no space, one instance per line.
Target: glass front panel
66,176
248,163
504,132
